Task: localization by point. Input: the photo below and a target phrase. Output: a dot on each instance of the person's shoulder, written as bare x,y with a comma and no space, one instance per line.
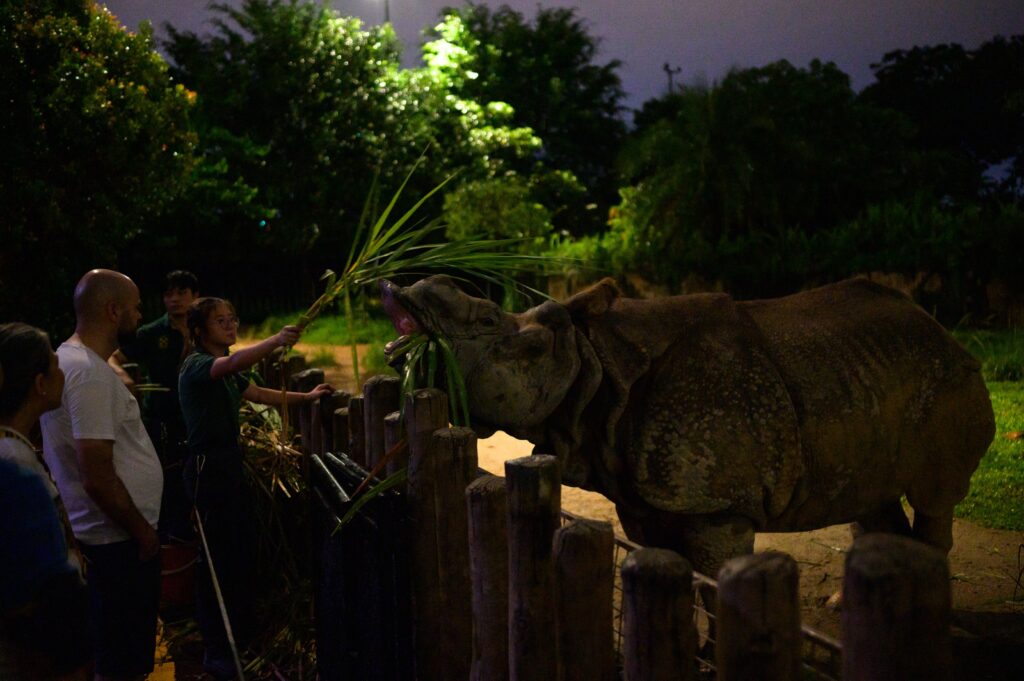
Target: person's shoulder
13,449
15,476
82,365
158,326
75,357
197,364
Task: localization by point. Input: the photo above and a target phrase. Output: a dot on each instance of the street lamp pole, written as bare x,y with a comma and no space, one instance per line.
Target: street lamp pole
387,12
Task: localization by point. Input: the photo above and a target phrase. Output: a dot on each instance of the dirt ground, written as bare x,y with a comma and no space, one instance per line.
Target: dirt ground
987,566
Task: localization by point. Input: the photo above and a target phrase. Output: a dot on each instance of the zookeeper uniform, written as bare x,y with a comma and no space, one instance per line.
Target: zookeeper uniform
214,481
161,349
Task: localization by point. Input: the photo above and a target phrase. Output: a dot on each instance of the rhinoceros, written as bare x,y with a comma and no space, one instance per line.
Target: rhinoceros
706,419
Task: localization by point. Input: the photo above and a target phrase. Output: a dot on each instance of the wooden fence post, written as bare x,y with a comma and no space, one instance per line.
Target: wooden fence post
380,398
585,576
316,428
657,601
356,431
896,611
426,411
304,381
340,441
487,504
295,364
295,377
534,504
758,611
392,436
328,405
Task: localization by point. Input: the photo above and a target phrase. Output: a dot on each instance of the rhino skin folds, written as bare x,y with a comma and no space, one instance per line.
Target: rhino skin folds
706,419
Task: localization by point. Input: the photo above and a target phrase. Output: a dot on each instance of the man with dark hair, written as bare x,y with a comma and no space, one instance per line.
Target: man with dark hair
160,347
109,476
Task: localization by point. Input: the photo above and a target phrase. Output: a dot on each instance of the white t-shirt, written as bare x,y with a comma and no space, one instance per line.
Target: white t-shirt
13,448
97,406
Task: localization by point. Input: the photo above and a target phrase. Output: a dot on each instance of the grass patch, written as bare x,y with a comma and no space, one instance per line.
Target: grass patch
330,329
996,498
1001,353
322,358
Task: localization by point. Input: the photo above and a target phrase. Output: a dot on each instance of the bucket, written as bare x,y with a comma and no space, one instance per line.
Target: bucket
177,574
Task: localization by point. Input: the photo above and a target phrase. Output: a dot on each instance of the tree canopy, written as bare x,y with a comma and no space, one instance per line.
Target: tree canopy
968,110
97,143
325,103
309,89
766,150
547,70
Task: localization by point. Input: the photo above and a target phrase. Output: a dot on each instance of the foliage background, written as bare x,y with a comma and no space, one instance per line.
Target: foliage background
248,155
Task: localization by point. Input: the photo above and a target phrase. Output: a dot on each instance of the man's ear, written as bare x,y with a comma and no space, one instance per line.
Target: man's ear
593,301
40,384
113,310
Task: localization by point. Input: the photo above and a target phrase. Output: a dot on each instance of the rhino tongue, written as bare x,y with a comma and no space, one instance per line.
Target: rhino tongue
404,322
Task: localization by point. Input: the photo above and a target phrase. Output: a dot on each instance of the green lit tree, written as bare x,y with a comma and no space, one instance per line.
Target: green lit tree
329,109
546,70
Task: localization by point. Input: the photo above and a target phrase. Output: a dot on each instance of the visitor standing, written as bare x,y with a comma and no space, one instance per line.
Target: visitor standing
34,385
44,632
109,476
43,601
160,347
212,385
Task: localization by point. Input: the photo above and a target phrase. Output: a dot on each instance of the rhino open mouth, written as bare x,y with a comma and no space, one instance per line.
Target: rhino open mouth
405,316
405,322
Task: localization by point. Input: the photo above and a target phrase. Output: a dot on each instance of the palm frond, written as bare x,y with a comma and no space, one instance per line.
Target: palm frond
382,250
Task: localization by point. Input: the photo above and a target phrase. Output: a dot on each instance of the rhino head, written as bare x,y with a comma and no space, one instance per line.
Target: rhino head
517,368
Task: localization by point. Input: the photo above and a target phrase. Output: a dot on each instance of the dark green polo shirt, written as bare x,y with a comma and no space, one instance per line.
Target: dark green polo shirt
158,347
210,406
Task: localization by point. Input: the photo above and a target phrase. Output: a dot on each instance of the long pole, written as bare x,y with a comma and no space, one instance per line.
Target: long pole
387,12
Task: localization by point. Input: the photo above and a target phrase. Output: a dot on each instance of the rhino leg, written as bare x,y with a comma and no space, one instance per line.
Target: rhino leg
936,530
956,438
888,518
707,541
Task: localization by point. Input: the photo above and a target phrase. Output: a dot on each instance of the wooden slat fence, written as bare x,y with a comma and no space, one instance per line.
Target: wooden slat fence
464,575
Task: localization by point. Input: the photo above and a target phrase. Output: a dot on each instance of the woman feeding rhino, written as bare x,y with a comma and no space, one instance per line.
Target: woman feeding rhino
707,419
211,386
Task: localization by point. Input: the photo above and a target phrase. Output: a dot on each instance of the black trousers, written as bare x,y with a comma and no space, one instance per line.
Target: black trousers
225,512
124,596
175,506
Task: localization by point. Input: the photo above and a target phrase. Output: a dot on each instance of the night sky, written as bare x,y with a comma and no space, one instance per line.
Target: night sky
702,37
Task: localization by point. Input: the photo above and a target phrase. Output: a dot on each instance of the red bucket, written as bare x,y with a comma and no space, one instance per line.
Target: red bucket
177,574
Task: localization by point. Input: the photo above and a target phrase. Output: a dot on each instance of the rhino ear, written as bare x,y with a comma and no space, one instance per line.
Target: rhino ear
593,301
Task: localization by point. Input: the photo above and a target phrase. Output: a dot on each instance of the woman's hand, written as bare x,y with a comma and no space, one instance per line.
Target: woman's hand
319,391
287,336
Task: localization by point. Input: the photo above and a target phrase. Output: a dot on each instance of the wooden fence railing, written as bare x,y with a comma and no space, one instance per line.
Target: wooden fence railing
467,576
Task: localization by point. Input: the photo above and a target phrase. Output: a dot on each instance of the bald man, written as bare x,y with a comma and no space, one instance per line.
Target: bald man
109,476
